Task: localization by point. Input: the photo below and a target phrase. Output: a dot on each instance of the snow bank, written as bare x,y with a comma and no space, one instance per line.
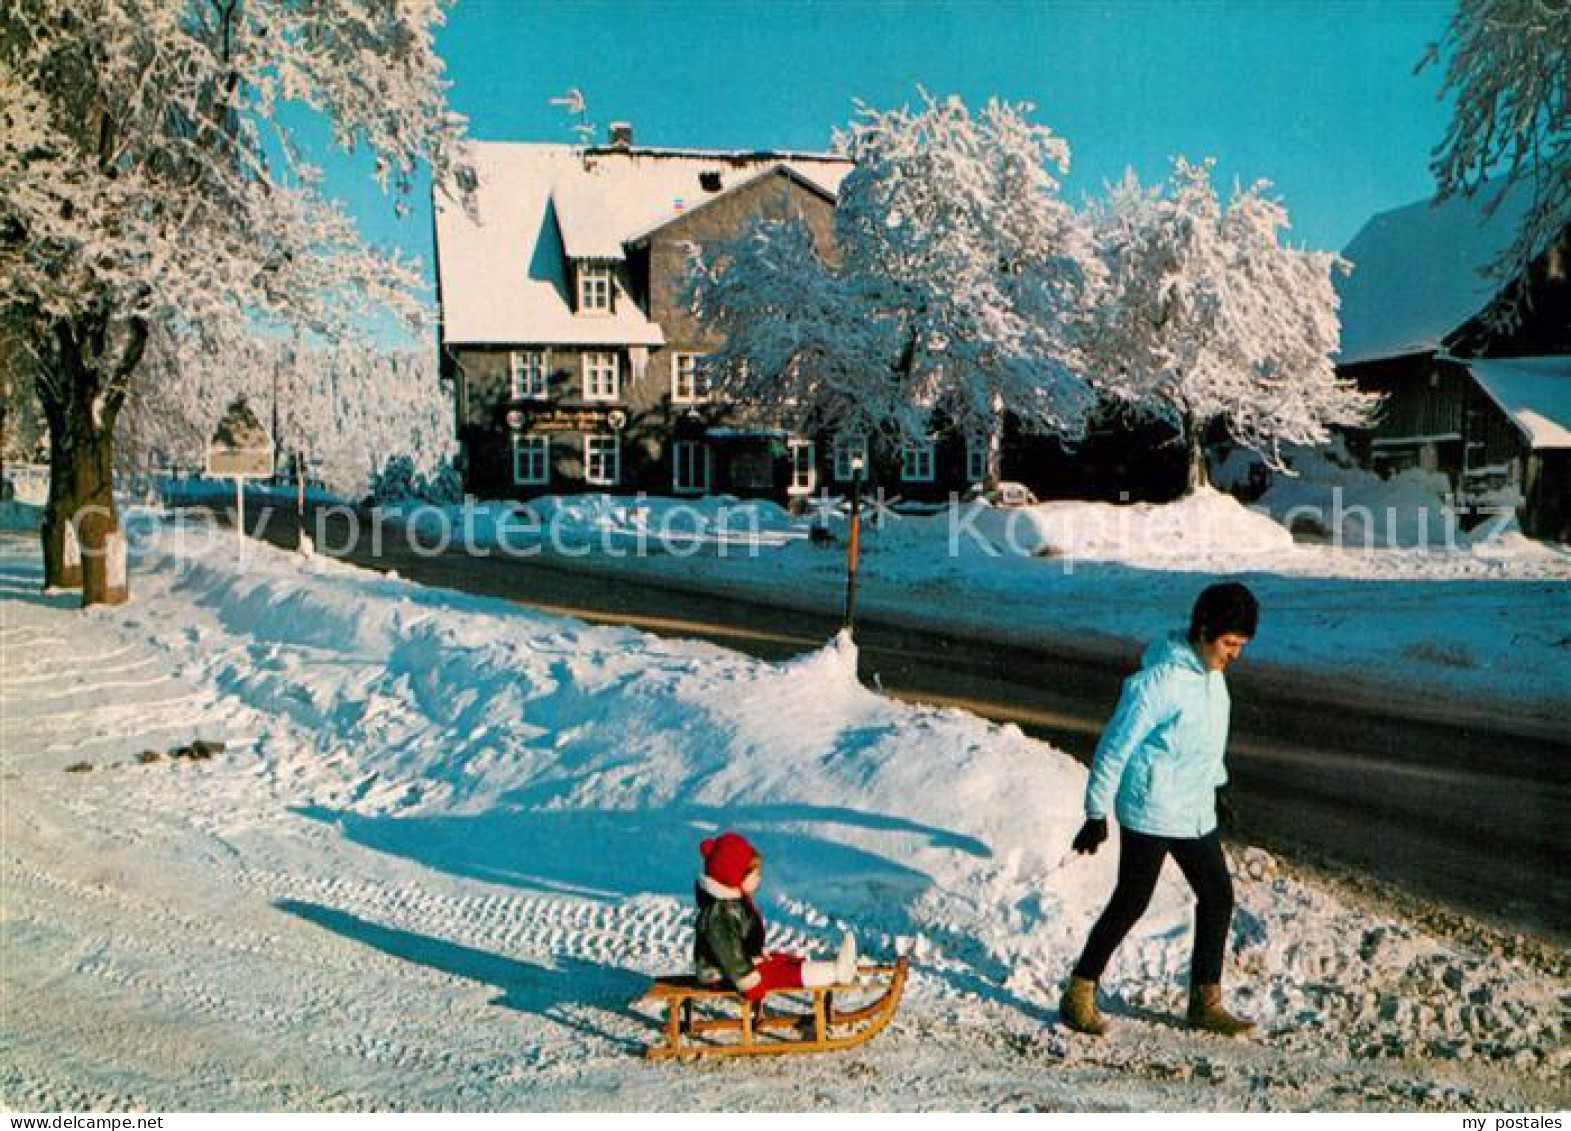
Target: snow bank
451,706
709,520
1204,521
1327,498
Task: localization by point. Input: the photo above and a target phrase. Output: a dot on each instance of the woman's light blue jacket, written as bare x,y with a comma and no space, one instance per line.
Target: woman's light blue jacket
1160,760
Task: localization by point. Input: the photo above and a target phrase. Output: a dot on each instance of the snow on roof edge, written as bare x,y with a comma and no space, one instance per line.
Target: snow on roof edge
779,167
1388,354
1525,389
676,151
1417,275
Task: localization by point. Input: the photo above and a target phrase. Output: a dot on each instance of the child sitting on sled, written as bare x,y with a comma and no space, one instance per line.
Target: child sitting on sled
729,942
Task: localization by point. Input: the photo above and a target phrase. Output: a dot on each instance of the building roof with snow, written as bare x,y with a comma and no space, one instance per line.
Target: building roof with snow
1418,274
1535,392
503,271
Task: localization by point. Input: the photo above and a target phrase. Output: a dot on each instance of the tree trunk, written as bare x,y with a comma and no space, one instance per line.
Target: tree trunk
1199,472
995,450
97,521
62,552
1199,475
82,392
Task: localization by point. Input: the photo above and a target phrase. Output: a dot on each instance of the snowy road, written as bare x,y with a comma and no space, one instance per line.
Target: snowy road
1427,796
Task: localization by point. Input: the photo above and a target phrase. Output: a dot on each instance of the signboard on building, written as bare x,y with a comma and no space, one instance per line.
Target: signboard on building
240,447
570,420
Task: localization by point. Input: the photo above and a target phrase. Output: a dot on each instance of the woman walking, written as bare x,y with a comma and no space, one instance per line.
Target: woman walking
1158,768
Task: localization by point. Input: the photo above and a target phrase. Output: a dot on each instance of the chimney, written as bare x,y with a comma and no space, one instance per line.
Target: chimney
621,135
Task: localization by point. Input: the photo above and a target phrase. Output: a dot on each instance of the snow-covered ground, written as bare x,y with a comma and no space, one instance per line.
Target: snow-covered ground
447,840
1480,623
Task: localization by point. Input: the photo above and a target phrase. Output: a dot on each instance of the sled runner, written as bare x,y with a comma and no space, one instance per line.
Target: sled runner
696,1014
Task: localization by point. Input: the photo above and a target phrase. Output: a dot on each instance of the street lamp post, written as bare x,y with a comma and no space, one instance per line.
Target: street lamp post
853,543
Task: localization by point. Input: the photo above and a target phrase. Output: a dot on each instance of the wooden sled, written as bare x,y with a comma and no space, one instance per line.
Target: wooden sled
763,1032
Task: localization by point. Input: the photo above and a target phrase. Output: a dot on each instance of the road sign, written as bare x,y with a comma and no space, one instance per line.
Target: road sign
241,447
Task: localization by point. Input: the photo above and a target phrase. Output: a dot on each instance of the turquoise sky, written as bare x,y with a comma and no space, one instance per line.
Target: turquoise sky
1318,97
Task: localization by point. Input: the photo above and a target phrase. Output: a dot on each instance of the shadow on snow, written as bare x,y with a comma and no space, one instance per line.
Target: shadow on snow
563,991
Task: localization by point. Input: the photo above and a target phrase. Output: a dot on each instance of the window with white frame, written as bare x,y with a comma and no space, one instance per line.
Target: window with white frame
602,376
527,371
689,380
602,461
594,288
916,461
804,470
690,467
849,448
978,447
531,460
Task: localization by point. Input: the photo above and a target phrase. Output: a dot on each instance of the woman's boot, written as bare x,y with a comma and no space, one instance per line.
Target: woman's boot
1078,1007
1206,1012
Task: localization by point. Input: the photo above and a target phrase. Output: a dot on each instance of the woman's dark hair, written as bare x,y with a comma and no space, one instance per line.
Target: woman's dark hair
1223,608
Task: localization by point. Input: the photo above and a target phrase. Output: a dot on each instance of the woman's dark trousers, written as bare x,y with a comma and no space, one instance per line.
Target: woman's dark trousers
1139,864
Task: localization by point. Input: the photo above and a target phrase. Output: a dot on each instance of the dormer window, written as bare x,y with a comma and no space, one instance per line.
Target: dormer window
594,288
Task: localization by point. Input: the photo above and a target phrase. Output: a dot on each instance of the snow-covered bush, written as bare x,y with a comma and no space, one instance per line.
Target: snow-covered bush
399,481
395,482
444,486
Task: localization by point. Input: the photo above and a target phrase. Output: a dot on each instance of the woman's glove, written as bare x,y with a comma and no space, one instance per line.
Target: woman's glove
1091,835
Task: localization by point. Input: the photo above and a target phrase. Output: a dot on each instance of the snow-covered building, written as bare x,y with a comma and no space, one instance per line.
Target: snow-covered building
1485,402
571,351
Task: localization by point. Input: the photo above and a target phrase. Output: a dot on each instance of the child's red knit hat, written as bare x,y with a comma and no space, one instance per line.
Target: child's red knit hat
728,858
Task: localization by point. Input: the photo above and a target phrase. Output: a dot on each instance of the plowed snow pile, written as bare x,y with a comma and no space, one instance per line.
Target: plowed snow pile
446,840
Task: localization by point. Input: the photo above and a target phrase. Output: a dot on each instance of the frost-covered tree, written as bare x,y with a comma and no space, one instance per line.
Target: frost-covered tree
1209,316
802,343
347,410
22,425
955,283
183,387
1508,73
352,411
146,179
